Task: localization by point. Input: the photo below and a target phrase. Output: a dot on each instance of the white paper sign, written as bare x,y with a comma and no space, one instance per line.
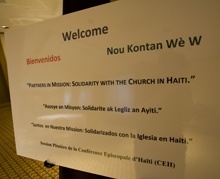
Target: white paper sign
128,89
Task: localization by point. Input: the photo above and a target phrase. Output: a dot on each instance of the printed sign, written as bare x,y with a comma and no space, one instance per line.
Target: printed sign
128,89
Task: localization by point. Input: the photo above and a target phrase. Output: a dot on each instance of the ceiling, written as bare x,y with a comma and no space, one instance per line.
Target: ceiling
15,13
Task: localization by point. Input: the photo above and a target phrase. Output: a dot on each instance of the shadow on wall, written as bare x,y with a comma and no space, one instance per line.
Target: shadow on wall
4,93
4,90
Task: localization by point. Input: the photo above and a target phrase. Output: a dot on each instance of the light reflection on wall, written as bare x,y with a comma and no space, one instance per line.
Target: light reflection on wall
67,97
59,116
